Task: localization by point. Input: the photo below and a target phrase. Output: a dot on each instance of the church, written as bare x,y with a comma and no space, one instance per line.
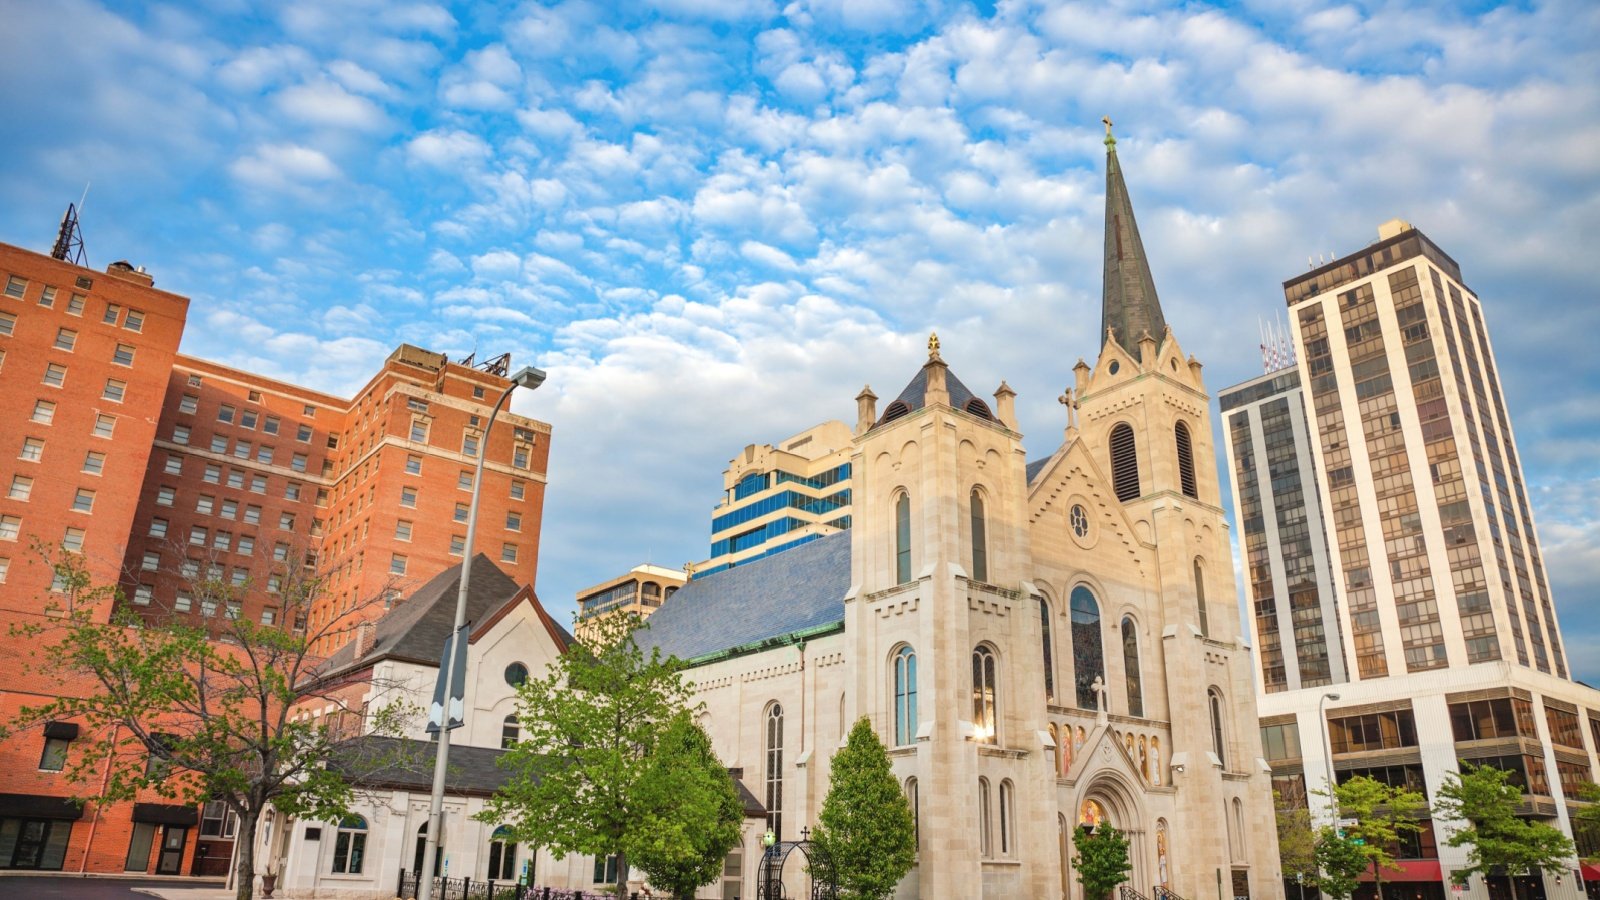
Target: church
1039,643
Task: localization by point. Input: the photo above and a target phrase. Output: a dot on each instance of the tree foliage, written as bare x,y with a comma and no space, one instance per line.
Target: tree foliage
1384,815
1340,863
1586,818
197,708
1297,842
1101,860
590,727
690,810
1481,803
866,832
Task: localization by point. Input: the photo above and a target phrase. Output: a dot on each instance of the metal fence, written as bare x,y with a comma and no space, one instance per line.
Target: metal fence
480,889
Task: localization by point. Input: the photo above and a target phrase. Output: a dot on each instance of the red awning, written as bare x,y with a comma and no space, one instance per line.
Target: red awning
1590,872
1410,870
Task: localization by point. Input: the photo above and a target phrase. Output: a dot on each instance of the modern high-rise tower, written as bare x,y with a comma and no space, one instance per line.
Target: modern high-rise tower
1385,525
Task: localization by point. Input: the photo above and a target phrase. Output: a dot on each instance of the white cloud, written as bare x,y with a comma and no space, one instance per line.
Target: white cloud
447,149
283,165
329,105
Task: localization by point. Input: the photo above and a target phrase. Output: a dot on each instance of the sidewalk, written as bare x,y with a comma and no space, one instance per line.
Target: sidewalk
187,893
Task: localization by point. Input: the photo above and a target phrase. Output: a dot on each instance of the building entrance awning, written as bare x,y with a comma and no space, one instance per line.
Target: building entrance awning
1410,870
33,806
1591,872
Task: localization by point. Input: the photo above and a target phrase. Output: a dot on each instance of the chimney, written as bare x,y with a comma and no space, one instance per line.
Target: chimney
366,636
1005,405
866,410
124,270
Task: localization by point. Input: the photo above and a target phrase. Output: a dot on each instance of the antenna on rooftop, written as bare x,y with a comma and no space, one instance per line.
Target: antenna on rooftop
69,237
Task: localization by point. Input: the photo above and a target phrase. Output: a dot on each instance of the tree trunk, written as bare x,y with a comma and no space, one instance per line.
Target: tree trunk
244,855
622,875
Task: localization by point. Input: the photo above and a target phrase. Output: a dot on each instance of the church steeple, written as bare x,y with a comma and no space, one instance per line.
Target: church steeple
1130,307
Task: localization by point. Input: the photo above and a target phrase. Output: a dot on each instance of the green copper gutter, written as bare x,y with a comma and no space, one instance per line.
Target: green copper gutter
782,640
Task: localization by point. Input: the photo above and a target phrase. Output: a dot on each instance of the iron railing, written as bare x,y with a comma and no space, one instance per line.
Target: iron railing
488,889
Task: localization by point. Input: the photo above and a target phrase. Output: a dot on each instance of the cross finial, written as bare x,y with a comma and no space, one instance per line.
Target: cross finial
1110,141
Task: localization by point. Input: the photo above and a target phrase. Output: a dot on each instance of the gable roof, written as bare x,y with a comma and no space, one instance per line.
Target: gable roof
1037,466
407,764
416,629
798,590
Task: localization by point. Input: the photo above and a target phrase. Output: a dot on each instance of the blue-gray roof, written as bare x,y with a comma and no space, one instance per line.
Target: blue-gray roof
914,397
1037,466
799,589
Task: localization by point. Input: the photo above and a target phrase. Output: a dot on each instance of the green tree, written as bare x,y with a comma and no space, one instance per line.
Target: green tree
1101,859
1586,818
1297,843
1383,815
866,832
1340,863
589,729
204,708
690,809
1481,802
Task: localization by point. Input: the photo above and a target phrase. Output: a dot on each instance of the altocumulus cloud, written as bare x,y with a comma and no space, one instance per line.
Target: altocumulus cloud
713,222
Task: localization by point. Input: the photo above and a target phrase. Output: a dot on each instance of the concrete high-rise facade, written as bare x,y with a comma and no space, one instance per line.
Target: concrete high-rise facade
641,590
780,496
1382,472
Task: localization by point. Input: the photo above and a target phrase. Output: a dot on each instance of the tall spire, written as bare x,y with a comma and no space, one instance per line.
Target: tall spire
1129,307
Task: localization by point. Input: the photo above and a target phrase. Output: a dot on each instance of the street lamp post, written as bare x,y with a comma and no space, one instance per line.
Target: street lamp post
1327,750
530,378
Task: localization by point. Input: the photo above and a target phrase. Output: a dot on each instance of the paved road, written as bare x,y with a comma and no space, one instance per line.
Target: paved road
31,887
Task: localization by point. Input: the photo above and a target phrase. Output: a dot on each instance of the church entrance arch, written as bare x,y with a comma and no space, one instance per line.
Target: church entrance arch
1109,800
814,865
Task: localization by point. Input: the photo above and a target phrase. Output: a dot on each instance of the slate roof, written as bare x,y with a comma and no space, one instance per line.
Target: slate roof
799,589
915,395
407,764
416,629
1129,305
1037,466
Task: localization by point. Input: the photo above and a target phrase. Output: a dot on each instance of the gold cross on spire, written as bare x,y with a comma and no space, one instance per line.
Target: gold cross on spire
1110,141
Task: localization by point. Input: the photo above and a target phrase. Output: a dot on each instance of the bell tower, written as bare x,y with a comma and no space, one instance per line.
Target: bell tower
1144,416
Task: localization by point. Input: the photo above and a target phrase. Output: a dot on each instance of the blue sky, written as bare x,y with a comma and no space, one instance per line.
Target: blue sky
712,221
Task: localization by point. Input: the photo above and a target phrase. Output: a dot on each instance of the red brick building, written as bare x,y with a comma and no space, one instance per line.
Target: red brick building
159,468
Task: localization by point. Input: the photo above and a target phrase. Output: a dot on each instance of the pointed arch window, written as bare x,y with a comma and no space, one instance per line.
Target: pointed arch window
510,731
985,825
502,855
1124,462
985,709
980,540
1048,643
902,539
1008,812
1087,659
916,811
1218,740
1180,433
905,696
1200,597
1130,667
774,774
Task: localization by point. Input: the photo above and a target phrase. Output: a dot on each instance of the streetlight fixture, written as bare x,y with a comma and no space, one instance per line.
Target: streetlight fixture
1327,749
530,378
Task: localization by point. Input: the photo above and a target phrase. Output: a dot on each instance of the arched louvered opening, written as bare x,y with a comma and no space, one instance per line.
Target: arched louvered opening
1124,463
980,539
979,408
895,411
1185,461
